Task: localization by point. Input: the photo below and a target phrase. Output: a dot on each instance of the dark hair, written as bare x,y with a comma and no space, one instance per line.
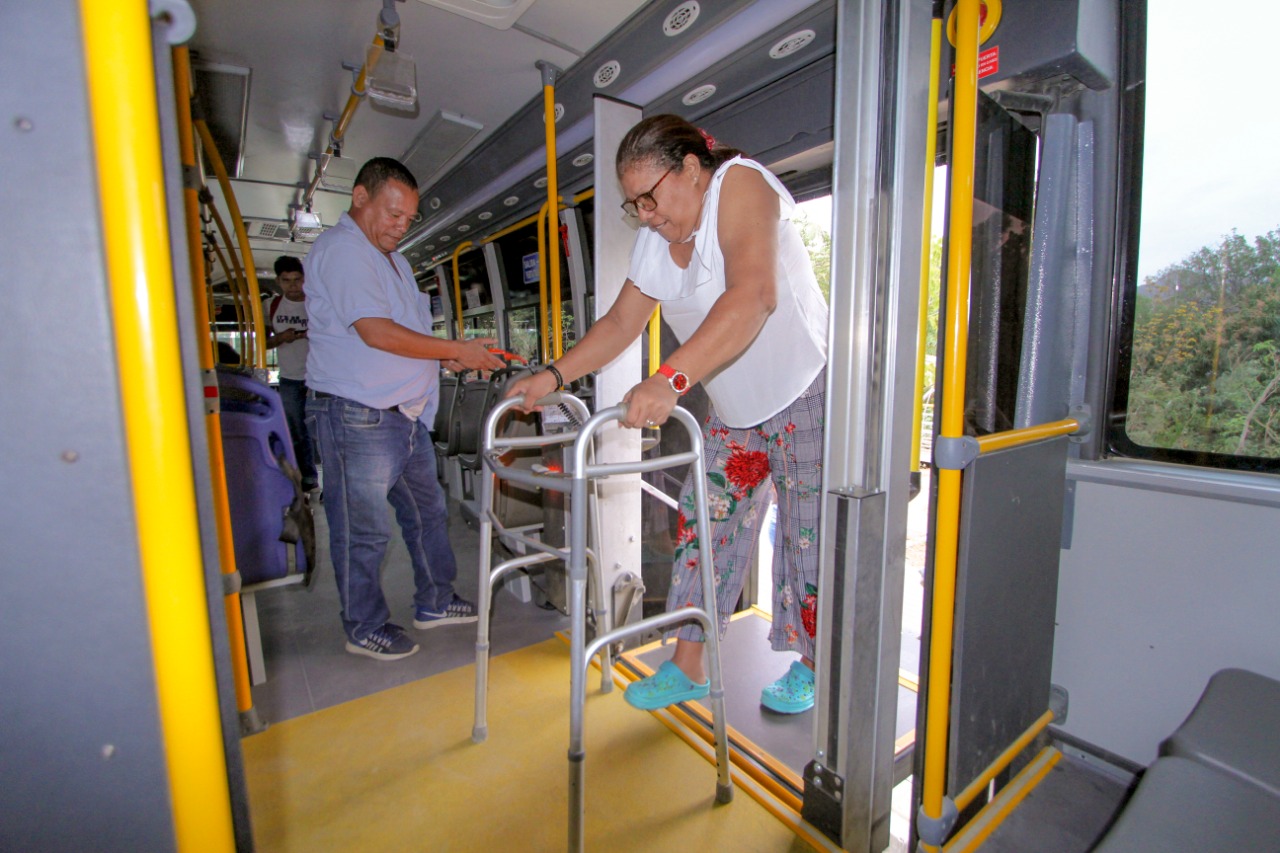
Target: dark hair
379,170
287,263
665,140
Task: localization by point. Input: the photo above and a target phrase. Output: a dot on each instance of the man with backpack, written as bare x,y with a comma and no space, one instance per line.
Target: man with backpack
285,316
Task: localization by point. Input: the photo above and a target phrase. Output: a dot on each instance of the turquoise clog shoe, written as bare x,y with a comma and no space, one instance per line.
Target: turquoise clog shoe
665,687
792,693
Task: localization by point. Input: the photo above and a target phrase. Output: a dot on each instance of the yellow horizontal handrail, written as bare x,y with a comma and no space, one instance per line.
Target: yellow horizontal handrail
978,785
1026,435
344,120
989,818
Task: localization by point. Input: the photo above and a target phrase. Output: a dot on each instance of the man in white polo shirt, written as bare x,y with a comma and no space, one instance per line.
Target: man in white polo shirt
374,370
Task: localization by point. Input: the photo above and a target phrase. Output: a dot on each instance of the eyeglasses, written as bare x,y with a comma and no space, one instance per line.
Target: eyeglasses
644,201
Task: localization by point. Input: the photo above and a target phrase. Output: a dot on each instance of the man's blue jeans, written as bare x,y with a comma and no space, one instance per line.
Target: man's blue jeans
372,456
293,397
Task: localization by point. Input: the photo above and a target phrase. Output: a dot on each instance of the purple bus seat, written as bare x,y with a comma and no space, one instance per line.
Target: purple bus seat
260,489
270,519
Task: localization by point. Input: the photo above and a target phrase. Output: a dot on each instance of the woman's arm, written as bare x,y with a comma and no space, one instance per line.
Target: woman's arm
605,340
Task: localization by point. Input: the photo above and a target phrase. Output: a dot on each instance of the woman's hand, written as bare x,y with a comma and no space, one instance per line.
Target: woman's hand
532,388
650,403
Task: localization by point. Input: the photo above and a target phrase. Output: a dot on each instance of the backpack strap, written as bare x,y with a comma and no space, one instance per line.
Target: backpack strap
271,312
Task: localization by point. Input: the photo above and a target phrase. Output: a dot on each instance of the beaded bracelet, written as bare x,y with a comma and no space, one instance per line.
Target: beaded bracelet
557,375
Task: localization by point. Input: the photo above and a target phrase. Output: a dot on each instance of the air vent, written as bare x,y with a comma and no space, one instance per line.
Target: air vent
583,159
434,204
511,200
792,43
681,18
464,228
698,95
541,183
266,229
444,136
484,216
607,73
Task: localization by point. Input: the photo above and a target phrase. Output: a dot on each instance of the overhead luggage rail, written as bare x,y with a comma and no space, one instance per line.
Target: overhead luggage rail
579,471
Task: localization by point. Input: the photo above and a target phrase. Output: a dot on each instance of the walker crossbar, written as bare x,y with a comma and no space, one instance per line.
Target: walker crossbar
579,560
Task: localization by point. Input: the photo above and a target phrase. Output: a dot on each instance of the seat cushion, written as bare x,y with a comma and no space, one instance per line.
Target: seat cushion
1184,805
1235,728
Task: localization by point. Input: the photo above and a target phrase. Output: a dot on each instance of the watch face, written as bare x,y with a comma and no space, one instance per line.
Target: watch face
680,382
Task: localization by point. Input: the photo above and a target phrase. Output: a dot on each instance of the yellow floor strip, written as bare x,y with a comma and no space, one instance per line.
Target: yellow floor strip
398,769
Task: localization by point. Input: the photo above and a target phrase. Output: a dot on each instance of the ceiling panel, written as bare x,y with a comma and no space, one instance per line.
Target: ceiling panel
295,50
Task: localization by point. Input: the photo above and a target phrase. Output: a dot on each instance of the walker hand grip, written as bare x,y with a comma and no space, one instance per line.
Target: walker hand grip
555,398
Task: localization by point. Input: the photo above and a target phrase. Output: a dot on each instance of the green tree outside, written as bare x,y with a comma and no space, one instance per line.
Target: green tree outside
1205,365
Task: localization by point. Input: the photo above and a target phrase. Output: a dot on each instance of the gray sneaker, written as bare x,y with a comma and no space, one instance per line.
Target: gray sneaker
386,643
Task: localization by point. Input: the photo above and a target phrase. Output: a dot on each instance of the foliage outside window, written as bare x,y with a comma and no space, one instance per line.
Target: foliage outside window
1202,373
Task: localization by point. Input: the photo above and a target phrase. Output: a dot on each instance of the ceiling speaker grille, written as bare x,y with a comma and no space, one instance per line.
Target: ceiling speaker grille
792,43
681,18
607,73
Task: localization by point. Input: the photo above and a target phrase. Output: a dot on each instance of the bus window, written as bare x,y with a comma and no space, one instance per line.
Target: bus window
518,254
1200,382
430,288
474,282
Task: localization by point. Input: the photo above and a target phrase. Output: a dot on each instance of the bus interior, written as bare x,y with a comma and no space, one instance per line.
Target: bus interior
1046,609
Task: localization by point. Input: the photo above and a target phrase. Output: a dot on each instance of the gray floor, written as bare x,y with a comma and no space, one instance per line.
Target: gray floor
307,666
1066,813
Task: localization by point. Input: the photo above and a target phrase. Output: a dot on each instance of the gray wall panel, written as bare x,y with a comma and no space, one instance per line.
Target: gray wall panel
1159,591
80,750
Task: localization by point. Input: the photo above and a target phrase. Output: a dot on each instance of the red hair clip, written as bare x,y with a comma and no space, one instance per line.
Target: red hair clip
711,140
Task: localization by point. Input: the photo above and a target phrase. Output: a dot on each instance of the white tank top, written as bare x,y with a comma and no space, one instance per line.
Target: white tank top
791,349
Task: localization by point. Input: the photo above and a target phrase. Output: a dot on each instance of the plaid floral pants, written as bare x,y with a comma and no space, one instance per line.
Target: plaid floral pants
741,464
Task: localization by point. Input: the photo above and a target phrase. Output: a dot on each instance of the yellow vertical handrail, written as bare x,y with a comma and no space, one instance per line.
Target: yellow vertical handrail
926,240
242,236
552,209
544,298
457,287
212,421
126,136
235,300
655,340
238,284
960,245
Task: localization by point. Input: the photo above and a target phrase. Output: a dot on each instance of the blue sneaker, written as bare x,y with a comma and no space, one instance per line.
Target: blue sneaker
457,612
665,687
386,643
792,693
